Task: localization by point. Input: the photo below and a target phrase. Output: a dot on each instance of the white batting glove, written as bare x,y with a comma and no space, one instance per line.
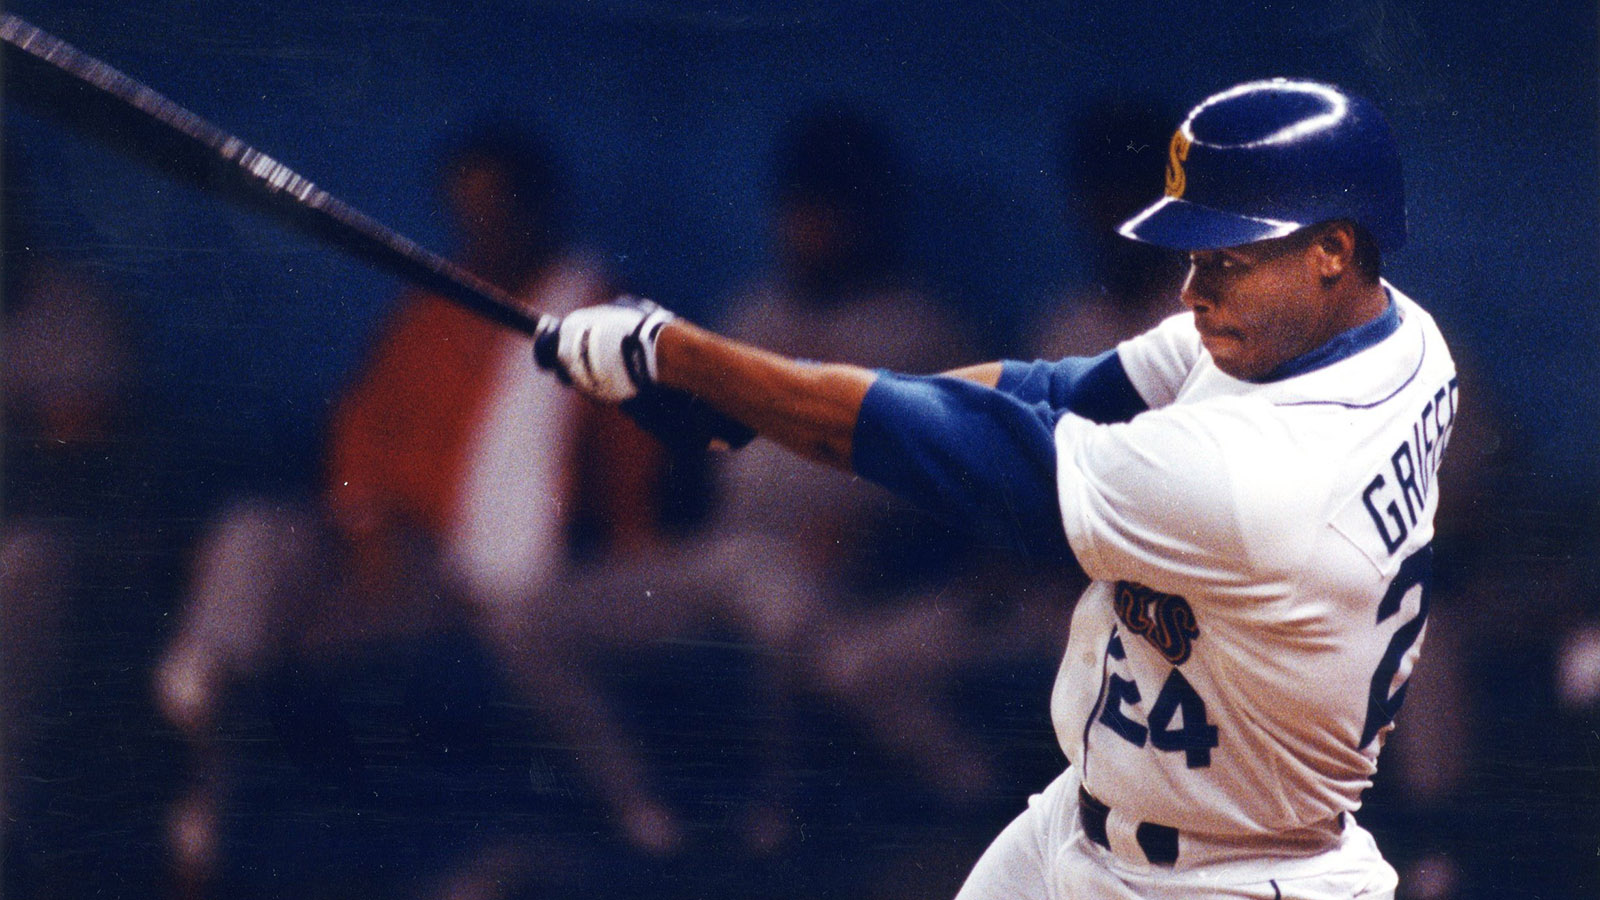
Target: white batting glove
607,352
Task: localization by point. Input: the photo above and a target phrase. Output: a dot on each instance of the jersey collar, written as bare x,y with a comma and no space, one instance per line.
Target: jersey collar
1342,346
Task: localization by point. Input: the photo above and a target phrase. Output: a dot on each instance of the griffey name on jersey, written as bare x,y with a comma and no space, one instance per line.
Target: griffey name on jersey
1396,496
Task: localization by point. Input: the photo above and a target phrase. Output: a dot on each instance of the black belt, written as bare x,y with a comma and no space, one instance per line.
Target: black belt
1159,842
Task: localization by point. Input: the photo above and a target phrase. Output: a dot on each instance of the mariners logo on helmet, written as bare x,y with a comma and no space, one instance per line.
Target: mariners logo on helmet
1266,158
1177,152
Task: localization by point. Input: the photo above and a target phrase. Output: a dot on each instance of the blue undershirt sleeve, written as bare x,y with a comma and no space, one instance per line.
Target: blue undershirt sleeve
981,459
1095,387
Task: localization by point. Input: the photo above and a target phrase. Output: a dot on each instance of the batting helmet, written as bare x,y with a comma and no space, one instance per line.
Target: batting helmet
1265,158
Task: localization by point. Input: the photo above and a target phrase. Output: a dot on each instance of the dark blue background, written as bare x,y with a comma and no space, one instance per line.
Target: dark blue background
663,112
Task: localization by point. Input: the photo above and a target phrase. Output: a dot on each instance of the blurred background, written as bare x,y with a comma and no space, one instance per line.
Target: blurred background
227,674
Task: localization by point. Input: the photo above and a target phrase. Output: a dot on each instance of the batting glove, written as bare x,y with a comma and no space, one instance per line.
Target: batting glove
607,352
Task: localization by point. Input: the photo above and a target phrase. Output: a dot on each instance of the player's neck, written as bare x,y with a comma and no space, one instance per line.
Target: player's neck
1360,302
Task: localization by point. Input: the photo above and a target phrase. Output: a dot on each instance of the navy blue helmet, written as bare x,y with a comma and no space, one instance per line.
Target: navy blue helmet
1266,158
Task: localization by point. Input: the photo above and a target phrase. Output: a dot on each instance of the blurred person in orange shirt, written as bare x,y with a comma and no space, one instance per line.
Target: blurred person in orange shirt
458,484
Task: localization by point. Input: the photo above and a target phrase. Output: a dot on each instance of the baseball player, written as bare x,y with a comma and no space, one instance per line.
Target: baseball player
1249,485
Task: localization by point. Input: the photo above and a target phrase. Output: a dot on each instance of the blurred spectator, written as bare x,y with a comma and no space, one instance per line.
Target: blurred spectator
1112,150
861,574
839,290
458,482
73,554
894,664
807,569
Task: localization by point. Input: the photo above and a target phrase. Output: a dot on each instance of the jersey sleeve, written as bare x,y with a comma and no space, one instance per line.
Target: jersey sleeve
1158,362
977,457
1191,501
1095,387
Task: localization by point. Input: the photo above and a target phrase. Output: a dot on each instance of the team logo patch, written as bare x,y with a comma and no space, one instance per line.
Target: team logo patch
1165,620
1177,153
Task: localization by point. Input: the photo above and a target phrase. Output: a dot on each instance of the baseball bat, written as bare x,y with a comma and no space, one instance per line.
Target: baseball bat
63,82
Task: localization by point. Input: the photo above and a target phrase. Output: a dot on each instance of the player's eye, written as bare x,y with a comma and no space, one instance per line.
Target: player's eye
1209,263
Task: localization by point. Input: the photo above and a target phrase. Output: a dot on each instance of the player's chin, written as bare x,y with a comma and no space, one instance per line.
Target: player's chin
1232,355
1225,348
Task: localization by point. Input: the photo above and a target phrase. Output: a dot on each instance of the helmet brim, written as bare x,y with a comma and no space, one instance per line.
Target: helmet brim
1182,225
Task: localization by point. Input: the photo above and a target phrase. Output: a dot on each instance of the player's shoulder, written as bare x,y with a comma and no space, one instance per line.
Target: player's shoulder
1159,362
1229,468
1441,359
1240,439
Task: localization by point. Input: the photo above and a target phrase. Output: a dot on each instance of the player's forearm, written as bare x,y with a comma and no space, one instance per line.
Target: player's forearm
810,408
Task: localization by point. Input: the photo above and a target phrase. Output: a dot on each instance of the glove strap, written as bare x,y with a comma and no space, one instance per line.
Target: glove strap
547,349
639,347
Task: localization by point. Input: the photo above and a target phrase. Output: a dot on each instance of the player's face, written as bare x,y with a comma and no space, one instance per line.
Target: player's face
1259,305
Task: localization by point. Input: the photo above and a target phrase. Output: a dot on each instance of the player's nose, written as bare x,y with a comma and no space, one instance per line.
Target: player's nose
1194,293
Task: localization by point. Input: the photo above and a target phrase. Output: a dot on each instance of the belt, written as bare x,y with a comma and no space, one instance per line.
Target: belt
1159,842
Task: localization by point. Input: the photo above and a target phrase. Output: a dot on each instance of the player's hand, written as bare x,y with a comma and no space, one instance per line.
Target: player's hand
608,351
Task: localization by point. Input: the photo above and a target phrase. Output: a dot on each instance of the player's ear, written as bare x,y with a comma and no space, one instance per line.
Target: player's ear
1333,251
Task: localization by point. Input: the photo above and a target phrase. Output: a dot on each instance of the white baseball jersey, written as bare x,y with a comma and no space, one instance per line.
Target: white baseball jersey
1259,554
